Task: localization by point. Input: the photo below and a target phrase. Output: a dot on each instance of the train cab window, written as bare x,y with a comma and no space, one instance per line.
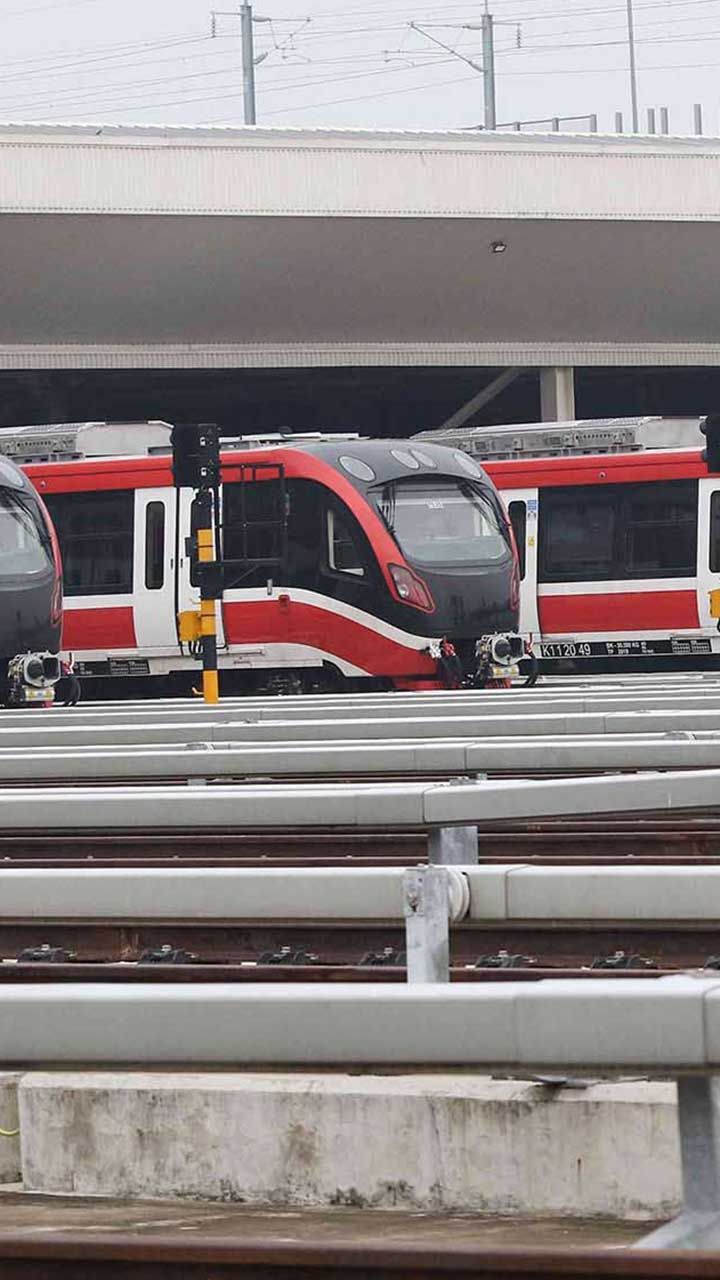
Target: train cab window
342,550
154,545
443,521
517,511
715,532
95,531
24,540
254,526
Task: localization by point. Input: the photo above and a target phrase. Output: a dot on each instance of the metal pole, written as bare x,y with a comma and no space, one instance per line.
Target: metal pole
618,122
208,615
633,68
453,846
697,114
651,119
664,120
488,46
248,63
427,934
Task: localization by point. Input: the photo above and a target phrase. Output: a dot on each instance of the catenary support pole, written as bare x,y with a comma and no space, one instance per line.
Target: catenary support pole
427,930
248,63
488,47
633,67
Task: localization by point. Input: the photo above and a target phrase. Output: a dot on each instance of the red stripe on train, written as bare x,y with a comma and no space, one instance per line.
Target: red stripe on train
626,611
102,629
287,621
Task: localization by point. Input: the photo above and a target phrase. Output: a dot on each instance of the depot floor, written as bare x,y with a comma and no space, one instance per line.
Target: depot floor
31,1215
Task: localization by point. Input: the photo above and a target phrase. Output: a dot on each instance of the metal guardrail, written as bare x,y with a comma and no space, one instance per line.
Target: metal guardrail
669,1026
475,893
394,706
661,1027
453,756
223,730
392,805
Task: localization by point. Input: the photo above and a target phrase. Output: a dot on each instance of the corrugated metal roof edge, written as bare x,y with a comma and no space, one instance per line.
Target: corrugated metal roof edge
632,143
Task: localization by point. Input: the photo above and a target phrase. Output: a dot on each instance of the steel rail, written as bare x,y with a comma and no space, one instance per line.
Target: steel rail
96,1255
122,1256
548,944
116,971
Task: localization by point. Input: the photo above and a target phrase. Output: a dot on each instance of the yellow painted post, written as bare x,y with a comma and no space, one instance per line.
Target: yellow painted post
208,621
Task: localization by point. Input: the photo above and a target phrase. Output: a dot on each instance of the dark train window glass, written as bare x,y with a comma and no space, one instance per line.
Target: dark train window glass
618,532
342,549
517,511
154,545
24,540
95,531
660,525
443,521
253,520
577,535
715,532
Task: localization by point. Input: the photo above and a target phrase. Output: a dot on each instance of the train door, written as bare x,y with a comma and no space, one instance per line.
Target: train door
154,569
187,596
708,551
522,508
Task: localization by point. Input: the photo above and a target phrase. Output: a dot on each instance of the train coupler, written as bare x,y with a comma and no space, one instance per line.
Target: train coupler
497,657
31,678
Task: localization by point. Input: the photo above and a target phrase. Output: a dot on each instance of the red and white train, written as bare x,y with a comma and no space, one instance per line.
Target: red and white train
358,561
617,523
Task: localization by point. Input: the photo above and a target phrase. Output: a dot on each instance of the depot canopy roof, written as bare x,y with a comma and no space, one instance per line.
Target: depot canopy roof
162,247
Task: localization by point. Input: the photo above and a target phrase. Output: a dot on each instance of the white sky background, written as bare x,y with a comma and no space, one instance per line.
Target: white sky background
354,63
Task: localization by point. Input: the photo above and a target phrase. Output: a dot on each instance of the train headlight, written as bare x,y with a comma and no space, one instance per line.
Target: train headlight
410,588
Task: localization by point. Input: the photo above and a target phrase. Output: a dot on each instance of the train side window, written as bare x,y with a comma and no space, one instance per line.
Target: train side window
577,535
154,545
660,530
342,550
715,532
95,531
517,511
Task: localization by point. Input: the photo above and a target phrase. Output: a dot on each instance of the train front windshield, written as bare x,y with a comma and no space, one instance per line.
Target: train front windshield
24,541
443,521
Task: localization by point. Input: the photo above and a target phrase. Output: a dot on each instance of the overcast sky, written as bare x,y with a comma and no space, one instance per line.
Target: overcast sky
354,62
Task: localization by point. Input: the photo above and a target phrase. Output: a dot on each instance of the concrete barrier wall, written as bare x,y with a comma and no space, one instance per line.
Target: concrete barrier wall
460,1142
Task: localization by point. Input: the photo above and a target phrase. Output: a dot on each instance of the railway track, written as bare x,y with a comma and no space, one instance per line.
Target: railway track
120,1256
326,945
653,837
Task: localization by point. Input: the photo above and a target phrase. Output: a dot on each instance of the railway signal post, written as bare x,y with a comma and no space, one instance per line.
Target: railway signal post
196,465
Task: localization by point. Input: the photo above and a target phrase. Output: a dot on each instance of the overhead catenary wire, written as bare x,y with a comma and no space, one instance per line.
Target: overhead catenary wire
313,47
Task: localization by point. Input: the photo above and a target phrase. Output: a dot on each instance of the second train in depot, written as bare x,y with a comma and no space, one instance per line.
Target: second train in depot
384,564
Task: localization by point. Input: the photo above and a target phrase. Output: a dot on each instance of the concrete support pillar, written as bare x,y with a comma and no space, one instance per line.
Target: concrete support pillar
557,394
427,929
453,846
